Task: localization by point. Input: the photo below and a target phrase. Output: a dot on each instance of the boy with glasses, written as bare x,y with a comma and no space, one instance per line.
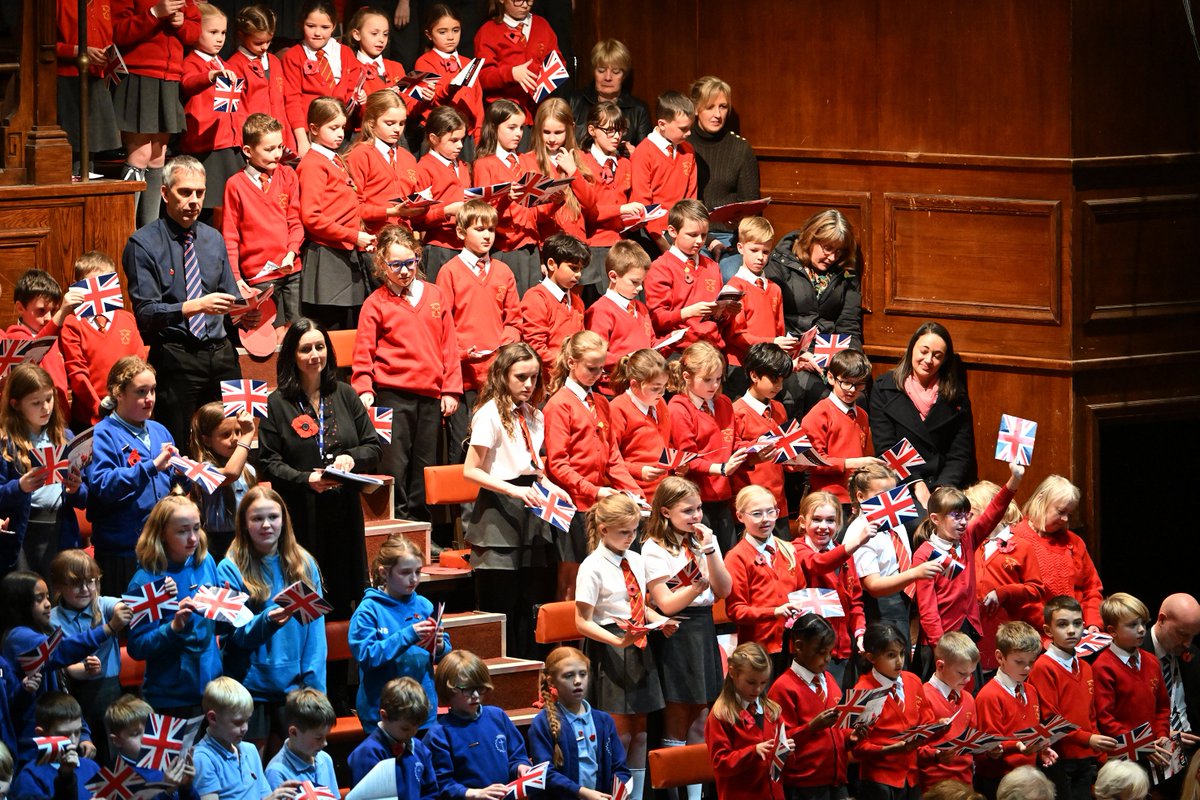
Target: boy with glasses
838,428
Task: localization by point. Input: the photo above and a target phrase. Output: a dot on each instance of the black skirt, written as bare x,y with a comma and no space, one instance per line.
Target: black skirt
624,681
102,120
219,167
506,535
331,277
148,105
572,544
689,662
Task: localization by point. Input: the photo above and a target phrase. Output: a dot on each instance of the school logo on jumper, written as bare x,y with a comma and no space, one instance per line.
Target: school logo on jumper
283,200
710,284
501,743
436,310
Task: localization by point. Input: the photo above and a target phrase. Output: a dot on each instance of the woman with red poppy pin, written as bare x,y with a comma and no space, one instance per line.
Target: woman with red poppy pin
314,422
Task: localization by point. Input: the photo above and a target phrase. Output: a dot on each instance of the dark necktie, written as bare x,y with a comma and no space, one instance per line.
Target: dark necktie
608,171
1170,670
193,284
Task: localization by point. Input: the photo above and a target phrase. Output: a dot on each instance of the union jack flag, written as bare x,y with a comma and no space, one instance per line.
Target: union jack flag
859,702
889,509
221,603
791,442
620,790
491,193
50,459
227,94
532,778
114,68
51,748
246,395
1014,443
926,730
780,752
419,199
544,190
33,660
822,602
381,418
972,742
79,450
308,791
555,507
120,782
101,295
1135,743
167,738
636,219
430,641
674,459
953,567
1092,643
300,601
689,574
1045,733
901,456
203,473
554,74
826,347
34,350
411,83
152,603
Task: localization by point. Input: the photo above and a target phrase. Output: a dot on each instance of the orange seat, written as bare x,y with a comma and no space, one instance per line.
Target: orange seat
455,559
447,486
556,623
133,671
720,617
680,766
343,347
337,640
85,527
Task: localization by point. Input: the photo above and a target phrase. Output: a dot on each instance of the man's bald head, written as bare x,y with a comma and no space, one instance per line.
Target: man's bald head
1178,622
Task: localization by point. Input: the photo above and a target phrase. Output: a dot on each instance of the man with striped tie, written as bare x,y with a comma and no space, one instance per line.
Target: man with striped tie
182,288
1172,640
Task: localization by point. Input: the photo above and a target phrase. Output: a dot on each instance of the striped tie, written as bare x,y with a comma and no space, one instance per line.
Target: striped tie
325,70
1170,670
637,603
197,324
903,561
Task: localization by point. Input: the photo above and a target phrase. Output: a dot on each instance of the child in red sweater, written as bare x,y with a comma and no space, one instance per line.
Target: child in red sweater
948,693
702,423
761,317
838,429
498,161
555,153
613,179
807,694
889,767
384,172
1065,686
261,223
618,316
742,729
757,413
39,304
406,359
551,311
1006,704
447,178
514,44
260,69
641,422
664,164
682,284
443,29
91,346
319,66
369,31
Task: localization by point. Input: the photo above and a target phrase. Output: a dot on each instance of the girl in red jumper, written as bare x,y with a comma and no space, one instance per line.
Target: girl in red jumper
556,154
443,29
440,171
641,423
613,178
383,171
741,729
702,423
499,162
369,30
332,284
406,359
514,44
260,69
317,67
151,36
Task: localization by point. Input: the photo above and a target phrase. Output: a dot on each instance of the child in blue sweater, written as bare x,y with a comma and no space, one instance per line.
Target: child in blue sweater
579,741
398,763
476,749
180,650
128,472
126,719
309,718
65,774
228,768
275,653
392,629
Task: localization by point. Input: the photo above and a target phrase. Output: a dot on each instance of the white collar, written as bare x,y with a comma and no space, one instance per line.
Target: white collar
523,24
621,300
1009,685
1061,657
325,151
377,61
576,388
886,682
215,57
701,405
261,59
639,405
675,251
756,405
503,154
414,292
942,544
748,276
845,409
660,141
255,174
807,675
470,259
763,545
941,686
330,47
442,55
753,706
445,161
556,291
613,557
1124,655
383,147
599,155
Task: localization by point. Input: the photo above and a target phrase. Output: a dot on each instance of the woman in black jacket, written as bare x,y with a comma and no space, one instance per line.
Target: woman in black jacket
924,399
611,63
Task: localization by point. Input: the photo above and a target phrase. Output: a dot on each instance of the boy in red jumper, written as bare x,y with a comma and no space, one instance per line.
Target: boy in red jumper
1065,685
41,311
551,311
948,693
91,346
1129,682
838,429
757,413
262,222
761,317
664,164
682,284
1006,705
482,294
618,316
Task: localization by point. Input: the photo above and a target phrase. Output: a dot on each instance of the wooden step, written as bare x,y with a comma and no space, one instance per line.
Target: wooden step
514,682
378,531
481,632
379,503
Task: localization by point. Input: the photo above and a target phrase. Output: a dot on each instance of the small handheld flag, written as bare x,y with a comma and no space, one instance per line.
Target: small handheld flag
245,395
953,566
227,94
114,67
302,603
222,603
1135,743
1045,733
780,752
51,460
209,477
822,602
972,742
152,603
544,190
1092,643
672,460
901,456
532,778
826,346
492,193
1014,442
309,791
637,219
890,509
553,74
555,507
101,295
430,641
925,731
167,738
791,442
119,782
33,660
51,748
381,418
857,703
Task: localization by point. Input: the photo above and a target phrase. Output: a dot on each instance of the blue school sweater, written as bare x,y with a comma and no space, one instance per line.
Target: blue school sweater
72,621
17,505
178,665
475,753
415,778
13,701
370,751
287,766
36,781
563,782
122,486
271,660
384,643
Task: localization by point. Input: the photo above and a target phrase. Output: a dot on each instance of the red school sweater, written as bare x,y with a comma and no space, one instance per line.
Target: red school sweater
485,313
329,205
410,348
1002,714
88,355
758,589
466,100
820,758
378,183
672,285
303,83
1070,693
207,130
958,768
545,322
1127,697
581,451
626,332
1066,568
503,48
740,774
264,92
447,184
760,320
660,179
748,426
100,33
1008,567
517,225
835,437
261,226
833,569
897,768
153,47
708,435
556,216
641,439
377,79
52,362
604,222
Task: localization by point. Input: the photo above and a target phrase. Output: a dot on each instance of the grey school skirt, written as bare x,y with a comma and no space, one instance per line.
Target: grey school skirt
148,105
624,681
331,277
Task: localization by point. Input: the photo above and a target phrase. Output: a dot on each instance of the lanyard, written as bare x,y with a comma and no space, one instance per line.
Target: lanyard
321,428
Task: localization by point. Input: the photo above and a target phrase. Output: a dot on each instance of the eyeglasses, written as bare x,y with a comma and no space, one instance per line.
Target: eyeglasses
408,263
521,2
961,516
84,585
850,387
611,131
765,513
467,691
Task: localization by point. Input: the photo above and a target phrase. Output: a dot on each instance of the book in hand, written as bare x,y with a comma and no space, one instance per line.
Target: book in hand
468,74
726,298
629,626
350,477
671,339
244,305
271,271
733,213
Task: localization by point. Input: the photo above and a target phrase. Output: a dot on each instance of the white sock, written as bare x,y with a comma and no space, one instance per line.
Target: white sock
638,779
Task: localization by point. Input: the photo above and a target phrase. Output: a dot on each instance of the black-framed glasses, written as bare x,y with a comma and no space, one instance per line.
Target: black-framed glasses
613,130
408,263
847,386
467,691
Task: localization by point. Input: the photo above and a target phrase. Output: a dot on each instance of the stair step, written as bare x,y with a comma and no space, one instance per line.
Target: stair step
514,681
378,503
377,532
481,632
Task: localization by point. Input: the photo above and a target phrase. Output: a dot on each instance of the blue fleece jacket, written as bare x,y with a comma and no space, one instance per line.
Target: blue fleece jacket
36,781
563,782
271,660
384,643
475,753
178,665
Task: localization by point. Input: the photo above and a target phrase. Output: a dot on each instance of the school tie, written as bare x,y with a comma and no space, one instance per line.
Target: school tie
511,160
399,749
770,551
852,412
1019,693
482,265
533,456
517,34
637,604
265,182
449,66
761,283
896,693
101,322
903,561
767,412
1170,670
631,310
589,402
324,70
392,158
671,151
818,688
955,698
608,171
193,284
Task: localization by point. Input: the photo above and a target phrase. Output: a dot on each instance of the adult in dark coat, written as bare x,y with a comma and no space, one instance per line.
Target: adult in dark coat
611,63
924,399
1173,641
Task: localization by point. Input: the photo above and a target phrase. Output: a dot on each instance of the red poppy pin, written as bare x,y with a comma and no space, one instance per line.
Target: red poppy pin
134,457
1186,656
304,426
310,67
759,561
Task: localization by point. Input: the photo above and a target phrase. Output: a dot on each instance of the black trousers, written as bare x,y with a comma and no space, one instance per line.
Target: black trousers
1073,777
416,430
190,375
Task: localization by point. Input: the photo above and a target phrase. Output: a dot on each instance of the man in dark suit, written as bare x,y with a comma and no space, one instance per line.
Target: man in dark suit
1172,640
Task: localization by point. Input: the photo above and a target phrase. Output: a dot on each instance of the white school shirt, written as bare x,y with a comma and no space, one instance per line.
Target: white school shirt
601,584
877,556
506,455
661,564
333,54
809,677
621,300
660,141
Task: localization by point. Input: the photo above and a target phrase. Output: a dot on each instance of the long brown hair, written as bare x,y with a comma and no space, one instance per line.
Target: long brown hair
205,422
556,108
670,491
150,551
952,380
550,695
495,387
748,657
294,561
24,380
